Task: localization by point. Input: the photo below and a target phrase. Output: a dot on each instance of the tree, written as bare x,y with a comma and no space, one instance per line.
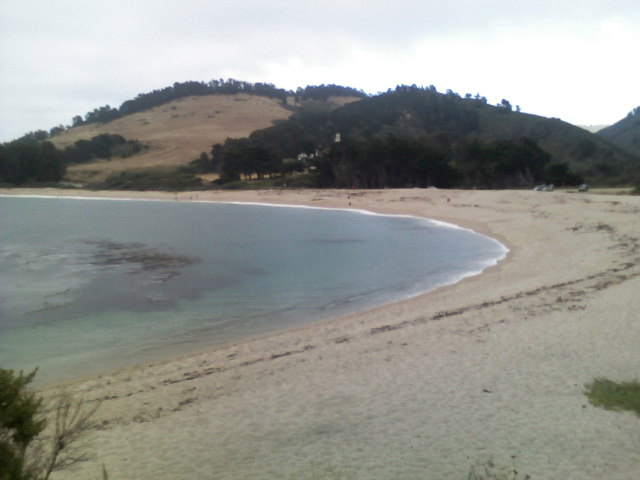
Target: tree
561,174
105,146
36,136
292,165
502,163
216,158
19,423
202,164
27,454
30,161
63,447
506,105
56,130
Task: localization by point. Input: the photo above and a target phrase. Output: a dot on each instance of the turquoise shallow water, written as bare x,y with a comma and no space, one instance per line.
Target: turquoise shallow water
89,285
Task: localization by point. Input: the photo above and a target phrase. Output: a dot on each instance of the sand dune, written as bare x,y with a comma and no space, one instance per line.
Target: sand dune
494,366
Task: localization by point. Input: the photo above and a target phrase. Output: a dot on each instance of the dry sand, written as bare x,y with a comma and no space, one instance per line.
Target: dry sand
493,366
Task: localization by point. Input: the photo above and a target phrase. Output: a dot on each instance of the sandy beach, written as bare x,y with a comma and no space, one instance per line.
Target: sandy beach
492,367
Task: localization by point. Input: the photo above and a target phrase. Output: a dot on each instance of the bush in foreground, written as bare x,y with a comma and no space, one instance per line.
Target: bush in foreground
28,449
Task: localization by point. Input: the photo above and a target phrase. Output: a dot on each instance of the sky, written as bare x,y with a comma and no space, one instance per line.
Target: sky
572,59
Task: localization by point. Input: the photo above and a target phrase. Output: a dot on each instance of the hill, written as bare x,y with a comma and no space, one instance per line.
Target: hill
414,111
593,128
385,135
178,123
625,133
177,126
176,132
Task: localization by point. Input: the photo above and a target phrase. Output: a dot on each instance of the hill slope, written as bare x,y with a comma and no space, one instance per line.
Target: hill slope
451,122
625,133
176,132
416,112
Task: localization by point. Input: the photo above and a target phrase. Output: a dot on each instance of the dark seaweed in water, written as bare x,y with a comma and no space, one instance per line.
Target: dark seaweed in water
93,276
138,258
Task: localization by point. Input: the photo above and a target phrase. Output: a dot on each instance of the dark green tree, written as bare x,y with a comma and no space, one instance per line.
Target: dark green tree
561,174
24,453
23,161
56,130
104,146
202,164
505,105
20,423
502,163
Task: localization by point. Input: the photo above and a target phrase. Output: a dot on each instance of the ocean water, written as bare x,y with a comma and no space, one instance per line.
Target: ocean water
88,285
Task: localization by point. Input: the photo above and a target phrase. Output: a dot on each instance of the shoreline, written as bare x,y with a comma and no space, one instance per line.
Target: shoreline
491,366
196,348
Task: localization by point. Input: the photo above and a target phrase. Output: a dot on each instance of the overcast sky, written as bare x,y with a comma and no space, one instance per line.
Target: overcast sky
572,59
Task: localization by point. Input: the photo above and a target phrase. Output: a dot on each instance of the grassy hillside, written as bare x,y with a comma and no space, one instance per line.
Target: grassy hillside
175,132
625,133
178,131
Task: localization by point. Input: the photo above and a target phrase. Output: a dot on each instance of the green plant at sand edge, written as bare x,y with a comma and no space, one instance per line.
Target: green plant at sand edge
611,395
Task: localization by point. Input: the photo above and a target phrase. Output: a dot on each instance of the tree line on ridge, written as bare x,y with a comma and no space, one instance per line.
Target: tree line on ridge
409,136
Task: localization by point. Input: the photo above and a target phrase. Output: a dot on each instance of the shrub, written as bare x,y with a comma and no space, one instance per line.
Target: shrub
27,454
20,423
611,395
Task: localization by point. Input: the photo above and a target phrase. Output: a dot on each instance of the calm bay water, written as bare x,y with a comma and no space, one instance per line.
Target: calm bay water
89,285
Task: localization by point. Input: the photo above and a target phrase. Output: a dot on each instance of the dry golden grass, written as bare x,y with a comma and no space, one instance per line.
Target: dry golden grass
176,132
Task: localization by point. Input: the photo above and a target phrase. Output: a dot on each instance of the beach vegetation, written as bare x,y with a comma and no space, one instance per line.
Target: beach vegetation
31,446
611,395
